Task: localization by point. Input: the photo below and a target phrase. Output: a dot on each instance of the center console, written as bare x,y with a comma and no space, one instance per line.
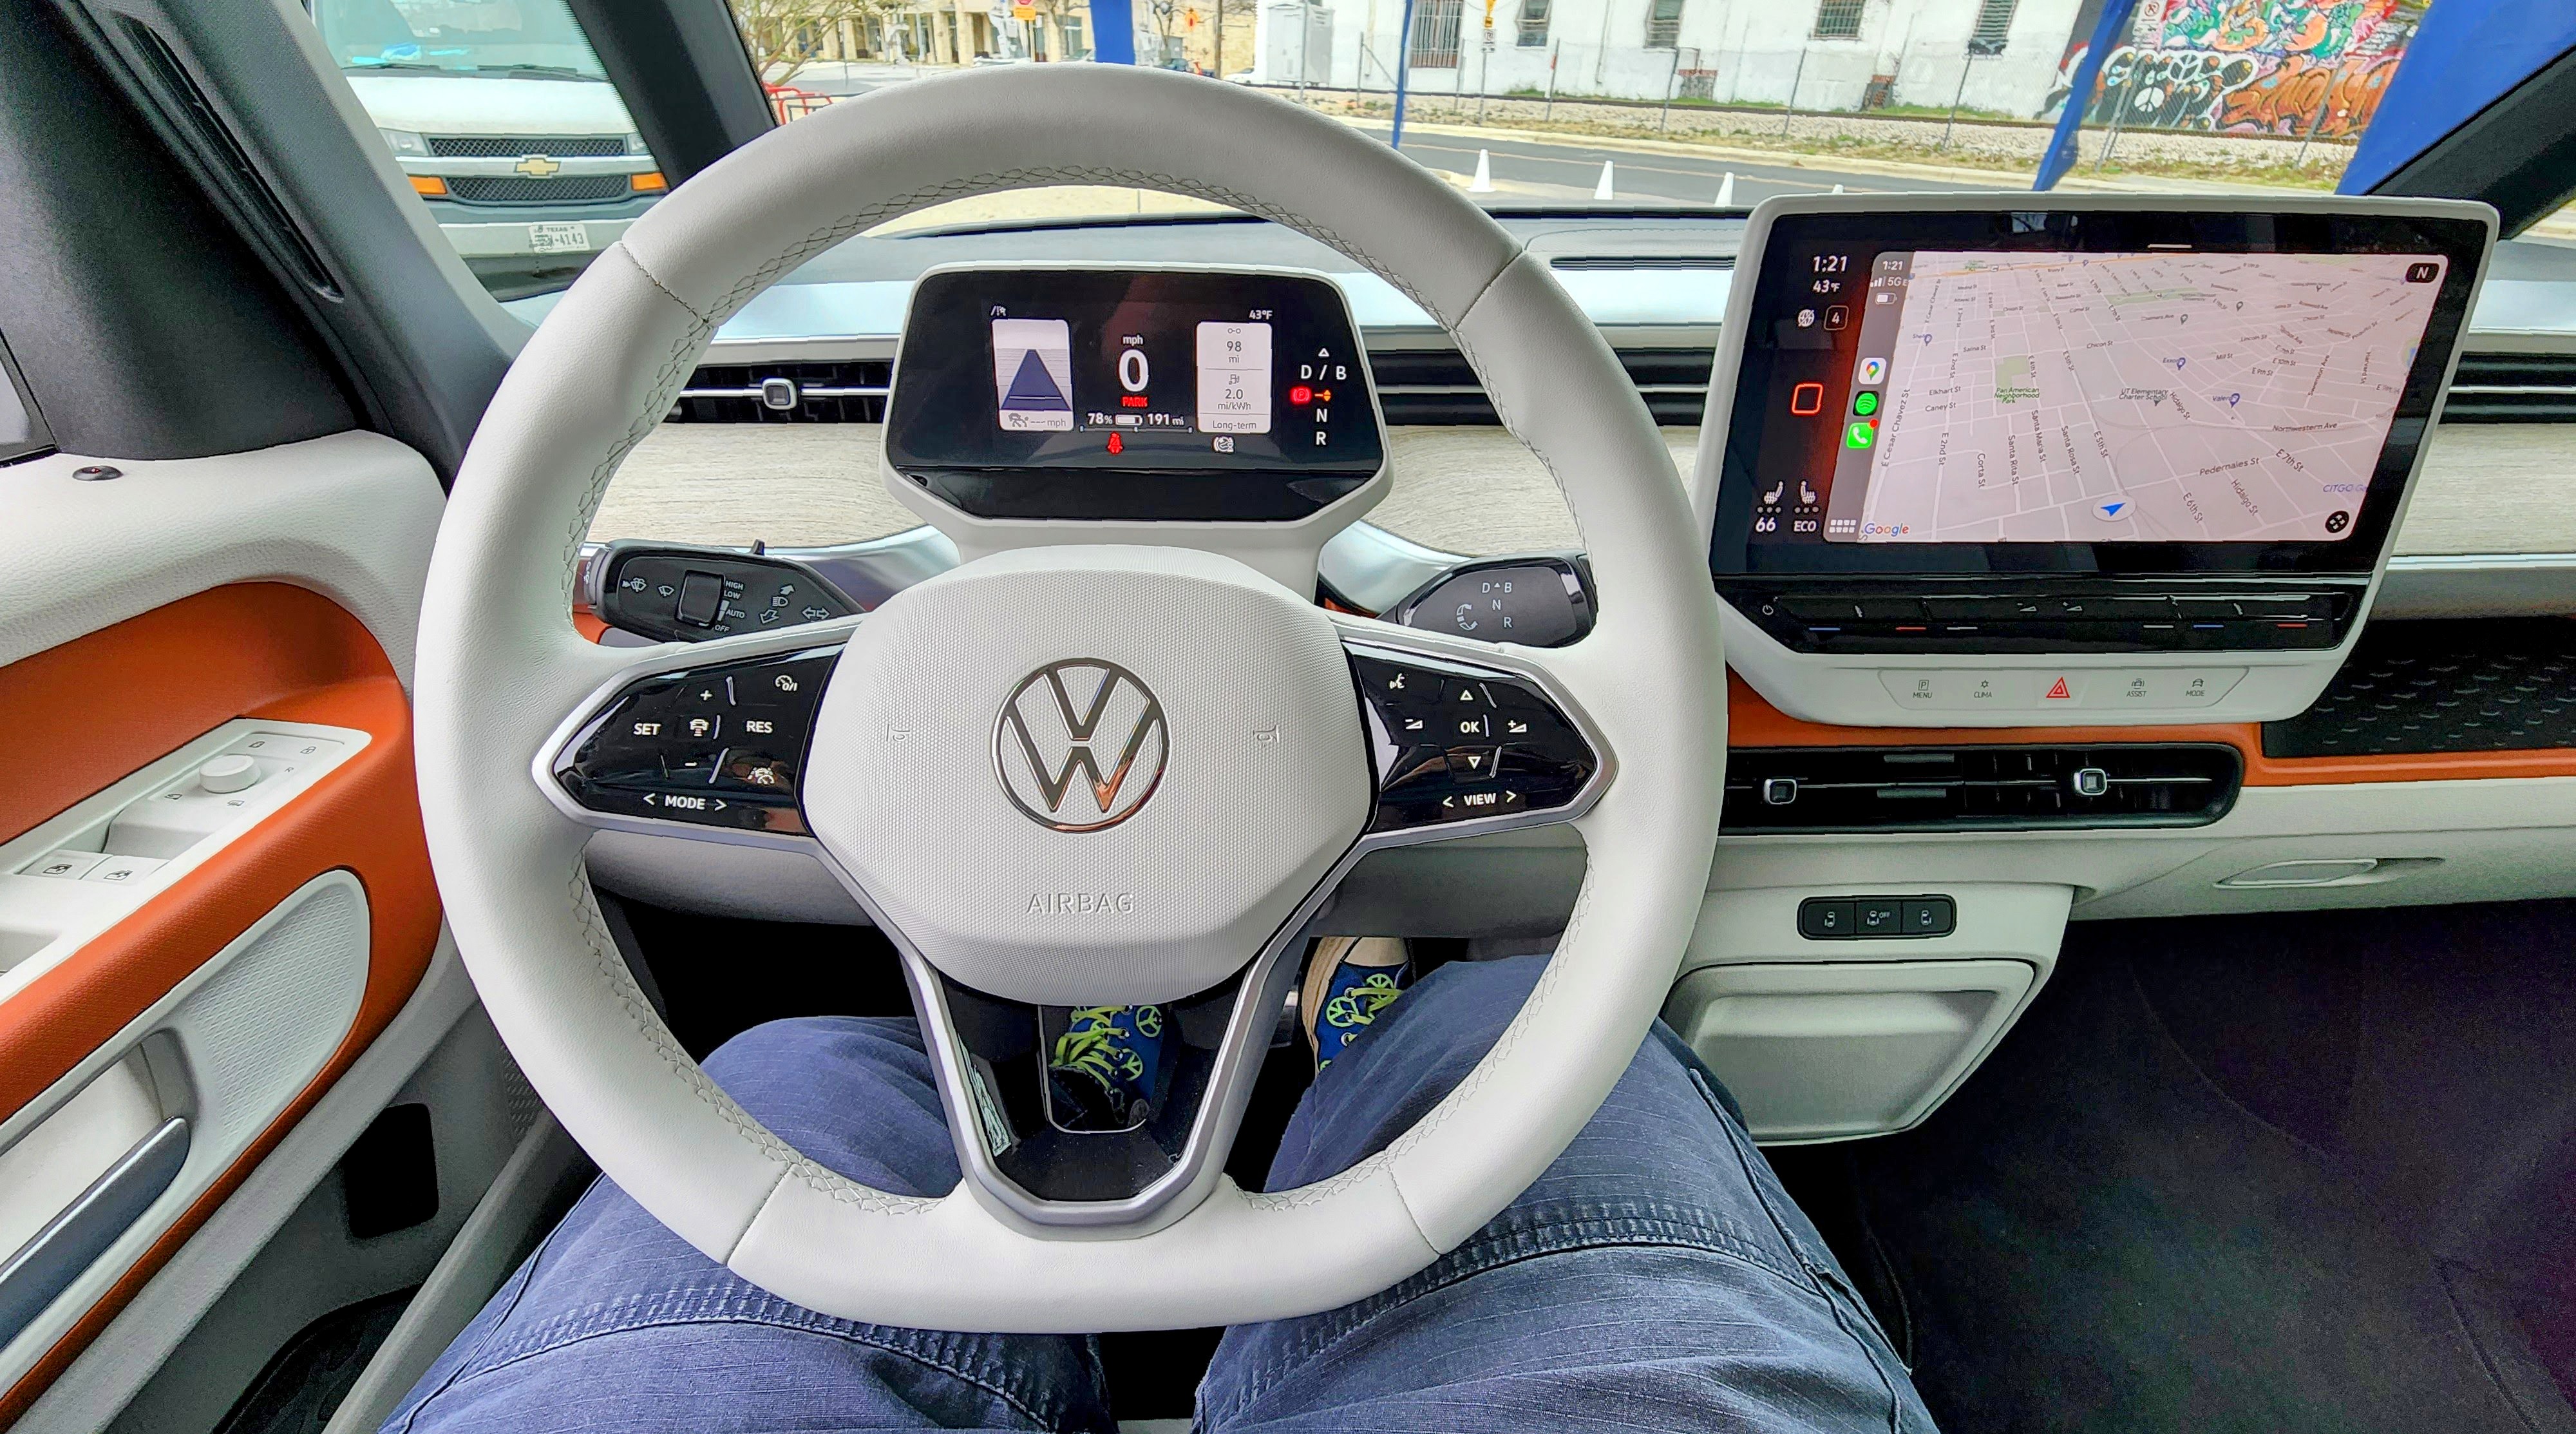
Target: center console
2106,460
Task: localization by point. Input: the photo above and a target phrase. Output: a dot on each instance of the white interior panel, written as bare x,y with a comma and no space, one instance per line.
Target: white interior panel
55,1161
1831,1051
249,1030
1829,1039
2497,839
351,516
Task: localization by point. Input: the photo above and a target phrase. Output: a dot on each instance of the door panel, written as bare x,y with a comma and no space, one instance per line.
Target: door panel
150,625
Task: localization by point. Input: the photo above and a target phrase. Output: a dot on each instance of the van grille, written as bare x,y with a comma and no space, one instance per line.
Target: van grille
511,146
511,189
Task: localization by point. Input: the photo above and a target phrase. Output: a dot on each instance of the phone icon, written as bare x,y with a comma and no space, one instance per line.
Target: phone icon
1859,435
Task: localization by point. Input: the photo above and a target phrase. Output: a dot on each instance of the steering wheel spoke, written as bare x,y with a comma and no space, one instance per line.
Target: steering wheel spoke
706,742
1468,737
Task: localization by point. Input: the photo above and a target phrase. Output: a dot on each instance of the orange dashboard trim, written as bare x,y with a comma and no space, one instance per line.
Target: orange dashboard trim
1751,721
121,697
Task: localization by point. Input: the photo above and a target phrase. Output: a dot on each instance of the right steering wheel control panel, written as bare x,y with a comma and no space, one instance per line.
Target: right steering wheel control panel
2100,462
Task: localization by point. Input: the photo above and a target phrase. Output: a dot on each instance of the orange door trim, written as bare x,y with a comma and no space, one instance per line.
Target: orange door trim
1751,721
114,701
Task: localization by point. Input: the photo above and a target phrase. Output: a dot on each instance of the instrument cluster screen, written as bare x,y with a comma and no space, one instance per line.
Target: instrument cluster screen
2099,389
1132,393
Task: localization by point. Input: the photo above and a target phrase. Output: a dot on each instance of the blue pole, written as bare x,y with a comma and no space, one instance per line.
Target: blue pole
1403,68
2079,95
1113,32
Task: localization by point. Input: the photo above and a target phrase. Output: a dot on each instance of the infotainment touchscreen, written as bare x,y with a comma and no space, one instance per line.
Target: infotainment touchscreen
2113,390
2037,398
1132,393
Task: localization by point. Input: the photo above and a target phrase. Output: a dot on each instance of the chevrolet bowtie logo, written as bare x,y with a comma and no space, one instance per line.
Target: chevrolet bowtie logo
1064,719
538,166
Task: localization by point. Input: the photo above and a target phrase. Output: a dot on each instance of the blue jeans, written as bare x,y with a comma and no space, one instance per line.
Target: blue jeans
1656,1277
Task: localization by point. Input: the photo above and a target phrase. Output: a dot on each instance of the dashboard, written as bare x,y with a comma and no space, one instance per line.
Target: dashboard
2246,774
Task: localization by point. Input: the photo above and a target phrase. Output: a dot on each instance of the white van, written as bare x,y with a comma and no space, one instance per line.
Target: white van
506,124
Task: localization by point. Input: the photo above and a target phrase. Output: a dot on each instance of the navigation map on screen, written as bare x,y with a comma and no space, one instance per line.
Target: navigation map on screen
2123,397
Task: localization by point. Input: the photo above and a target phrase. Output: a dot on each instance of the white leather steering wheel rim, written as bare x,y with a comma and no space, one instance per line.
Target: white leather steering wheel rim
500,663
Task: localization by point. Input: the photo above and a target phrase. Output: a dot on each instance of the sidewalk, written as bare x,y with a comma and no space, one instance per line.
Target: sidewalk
1833,163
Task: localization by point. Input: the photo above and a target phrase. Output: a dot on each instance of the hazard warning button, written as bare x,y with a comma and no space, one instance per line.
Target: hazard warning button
2058,688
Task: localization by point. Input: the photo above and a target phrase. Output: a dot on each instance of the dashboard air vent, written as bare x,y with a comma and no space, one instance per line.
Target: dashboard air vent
1435,386
1783,789
832,391
1415,386
2513,388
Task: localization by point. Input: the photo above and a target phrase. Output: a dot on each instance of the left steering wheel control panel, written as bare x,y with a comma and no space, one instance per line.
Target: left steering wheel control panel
718,746
1132,395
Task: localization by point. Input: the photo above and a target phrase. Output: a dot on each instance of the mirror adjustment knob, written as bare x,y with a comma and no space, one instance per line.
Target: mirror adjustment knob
228,774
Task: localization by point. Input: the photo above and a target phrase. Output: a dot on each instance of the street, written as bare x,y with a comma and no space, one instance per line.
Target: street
1569,169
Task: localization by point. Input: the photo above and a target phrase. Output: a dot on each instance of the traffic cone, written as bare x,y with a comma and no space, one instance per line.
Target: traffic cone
1483,183
1726,191
1602,190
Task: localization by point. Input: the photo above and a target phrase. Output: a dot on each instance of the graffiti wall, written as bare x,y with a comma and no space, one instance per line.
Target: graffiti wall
2286,67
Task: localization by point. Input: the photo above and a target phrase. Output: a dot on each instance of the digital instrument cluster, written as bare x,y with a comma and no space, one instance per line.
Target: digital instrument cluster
1132,394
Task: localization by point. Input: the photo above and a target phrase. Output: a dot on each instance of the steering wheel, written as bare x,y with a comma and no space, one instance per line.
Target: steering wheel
1268,788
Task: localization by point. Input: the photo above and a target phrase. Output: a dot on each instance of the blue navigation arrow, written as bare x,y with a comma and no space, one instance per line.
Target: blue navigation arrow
2112,509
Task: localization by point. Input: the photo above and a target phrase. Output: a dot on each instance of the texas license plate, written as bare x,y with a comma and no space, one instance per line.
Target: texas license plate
559,238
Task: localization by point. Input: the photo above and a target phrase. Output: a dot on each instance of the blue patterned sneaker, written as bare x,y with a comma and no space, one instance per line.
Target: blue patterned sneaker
1107,1067
1350,981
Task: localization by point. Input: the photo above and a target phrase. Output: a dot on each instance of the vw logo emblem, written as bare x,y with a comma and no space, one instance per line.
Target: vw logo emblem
1080,718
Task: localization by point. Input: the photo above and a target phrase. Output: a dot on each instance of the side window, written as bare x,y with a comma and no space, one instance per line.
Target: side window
22,431
1533,24
500,115
1837,19
1993,28
1663,24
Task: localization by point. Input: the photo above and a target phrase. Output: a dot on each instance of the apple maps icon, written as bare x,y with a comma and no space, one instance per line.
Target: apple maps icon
1033,375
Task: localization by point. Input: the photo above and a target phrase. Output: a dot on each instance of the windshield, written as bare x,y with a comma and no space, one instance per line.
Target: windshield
535,39
1595,109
